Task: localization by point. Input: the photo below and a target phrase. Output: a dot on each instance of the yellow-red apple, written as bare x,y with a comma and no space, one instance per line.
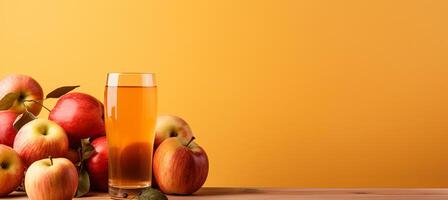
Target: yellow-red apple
171,126
180,167
80,115
11,170
39,139
7,130
51,179
27,88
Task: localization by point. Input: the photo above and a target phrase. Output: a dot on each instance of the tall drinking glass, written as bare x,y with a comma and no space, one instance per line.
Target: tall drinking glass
131,107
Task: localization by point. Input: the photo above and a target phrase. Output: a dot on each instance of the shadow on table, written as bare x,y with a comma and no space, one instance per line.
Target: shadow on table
214,191
14,195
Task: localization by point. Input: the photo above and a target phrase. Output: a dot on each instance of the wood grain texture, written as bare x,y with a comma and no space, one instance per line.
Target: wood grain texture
299,194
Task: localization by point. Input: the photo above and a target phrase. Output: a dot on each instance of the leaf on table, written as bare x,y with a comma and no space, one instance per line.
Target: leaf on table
58,92
8,100
83,183
23,119
152,194
87,149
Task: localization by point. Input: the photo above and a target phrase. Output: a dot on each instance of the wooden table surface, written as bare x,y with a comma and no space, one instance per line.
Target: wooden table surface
300,194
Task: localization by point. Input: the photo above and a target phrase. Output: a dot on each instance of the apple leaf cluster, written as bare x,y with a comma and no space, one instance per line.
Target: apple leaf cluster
86,150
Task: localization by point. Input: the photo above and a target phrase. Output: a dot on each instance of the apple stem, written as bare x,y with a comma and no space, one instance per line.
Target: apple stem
31,100
51,160
191,140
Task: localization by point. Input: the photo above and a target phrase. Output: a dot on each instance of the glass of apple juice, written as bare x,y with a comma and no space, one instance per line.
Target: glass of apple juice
130,117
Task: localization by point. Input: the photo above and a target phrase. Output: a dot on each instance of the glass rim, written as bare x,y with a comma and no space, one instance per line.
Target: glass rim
115,79
132,73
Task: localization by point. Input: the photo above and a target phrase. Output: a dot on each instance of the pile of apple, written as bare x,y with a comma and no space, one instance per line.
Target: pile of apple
66,155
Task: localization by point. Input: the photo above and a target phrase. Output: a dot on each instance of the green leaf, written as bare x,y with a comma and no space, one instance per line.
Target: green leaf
58,92
8,100
23,119
152,194
87,149
83,183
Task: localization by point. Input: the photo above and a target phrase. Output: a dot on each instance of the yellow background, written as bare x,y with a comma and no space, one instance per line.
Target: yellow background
280,93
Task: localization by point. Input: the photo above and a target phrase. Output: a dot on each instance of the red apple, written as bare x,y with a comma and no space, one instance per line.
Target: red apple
97,164
39,139
27,88
171,126
81,115
11,170
180,167
7,130
51,179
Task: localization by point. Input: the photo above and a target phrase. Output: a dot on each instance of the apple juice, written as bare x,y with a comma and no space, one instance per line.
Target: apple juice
130,118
